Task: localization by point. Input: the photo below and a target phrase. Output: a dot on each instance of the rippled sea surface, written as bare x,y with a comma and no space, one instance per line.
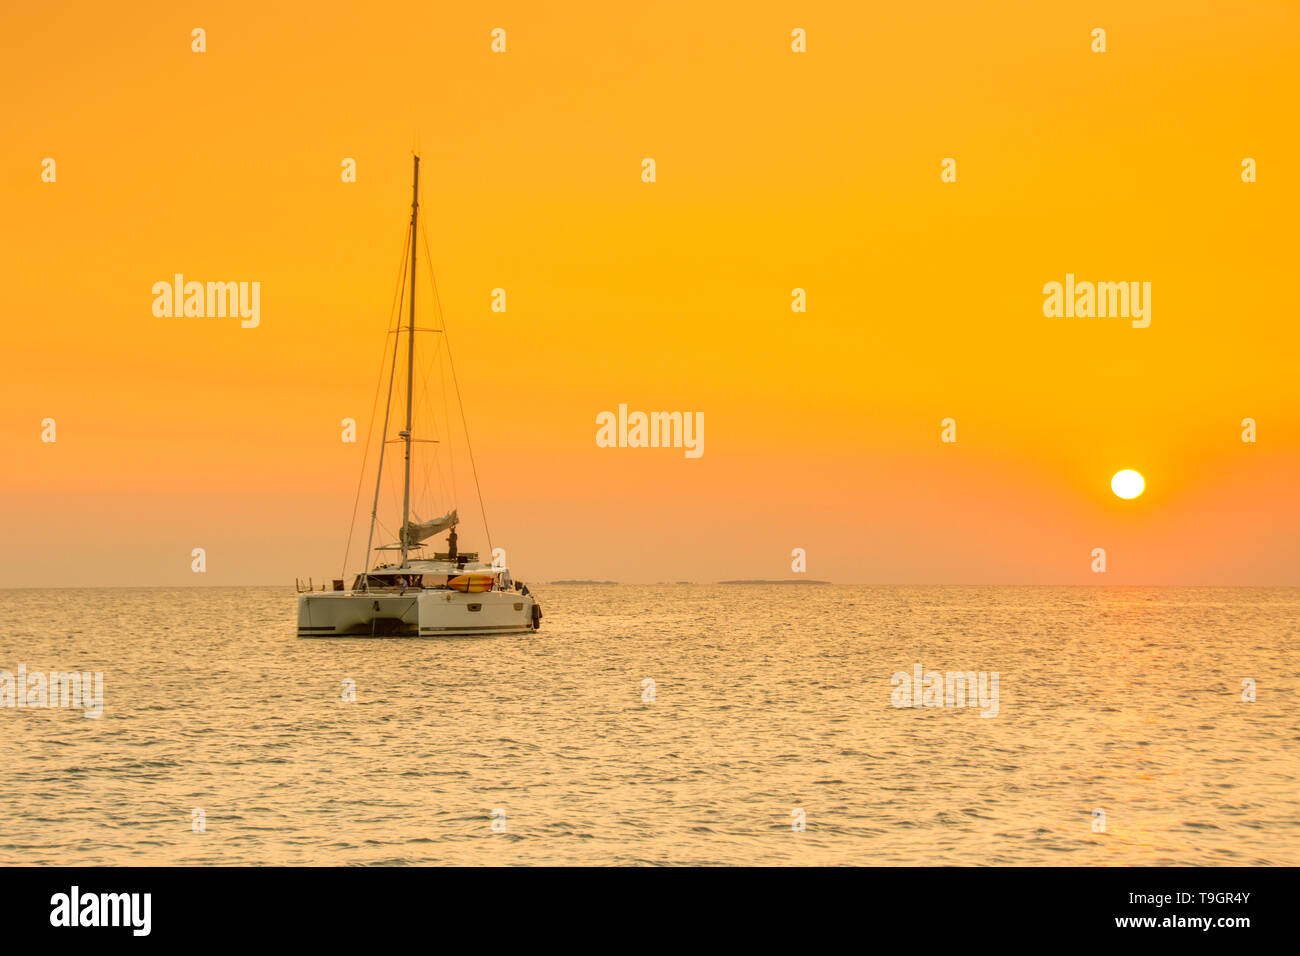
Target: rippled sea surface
767,700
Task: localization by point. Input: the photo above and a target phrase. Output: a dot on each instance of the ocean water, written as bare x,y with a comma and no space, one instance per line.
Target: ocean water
771,705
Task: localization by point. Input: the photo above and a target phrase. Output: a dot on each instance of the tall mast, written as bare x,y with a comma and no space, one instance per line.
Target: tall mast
410,364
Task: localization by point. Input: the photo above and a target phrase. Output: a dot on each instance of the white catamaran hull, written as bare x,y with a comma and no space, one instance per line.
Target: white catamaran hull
429,613
445,594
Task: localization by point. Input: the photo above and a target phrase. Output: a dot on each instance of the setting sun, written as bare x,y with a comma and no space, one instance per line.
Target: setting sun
1127,483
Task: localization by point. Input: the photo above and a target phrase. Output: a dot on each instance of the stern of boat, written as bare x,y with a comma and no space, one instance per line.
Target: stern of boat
358,614
448,613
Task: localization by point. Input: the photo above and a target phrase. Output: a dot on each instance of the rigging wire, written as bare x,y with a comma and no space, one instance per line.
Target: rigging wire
446,447
474,468
431,465
388,406
451,446
379,384
426,488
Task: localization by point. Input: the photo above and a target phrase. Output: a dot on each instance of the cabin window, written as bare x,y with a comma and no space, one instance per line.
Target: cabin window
475,607
519,605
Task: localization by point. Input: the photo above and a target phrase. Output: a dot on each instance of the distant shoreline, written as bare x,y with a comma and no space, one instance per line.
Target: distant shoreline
893,585
679,583
781,581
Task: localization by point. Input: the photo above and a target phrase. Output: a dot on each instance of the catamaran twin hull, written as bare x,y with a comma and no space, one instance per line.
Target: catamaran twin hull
449,594
428,613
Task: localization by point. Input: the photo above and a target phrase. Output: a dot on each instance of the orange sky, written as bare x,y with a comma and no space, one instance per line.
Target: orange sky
775,170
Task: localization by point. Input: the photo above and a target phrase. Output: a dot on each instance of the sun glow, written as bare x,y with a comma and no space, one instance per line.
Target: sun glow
1127,483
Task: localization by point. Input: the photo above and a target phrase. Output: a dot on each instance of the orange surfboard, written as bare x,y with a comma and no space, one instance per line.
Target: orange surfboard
470,583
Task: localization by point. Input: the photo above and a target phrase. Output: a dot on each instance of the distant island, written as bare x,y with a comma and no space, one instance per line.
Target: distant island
666,583
783,581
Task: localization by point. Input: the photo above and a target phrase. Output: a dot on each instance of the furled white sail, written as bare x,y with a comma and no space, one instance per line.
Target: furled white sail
416,531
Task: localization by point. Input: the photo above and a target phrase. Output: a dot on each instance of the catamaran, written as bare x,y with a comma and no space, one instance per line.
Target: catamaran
447,593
